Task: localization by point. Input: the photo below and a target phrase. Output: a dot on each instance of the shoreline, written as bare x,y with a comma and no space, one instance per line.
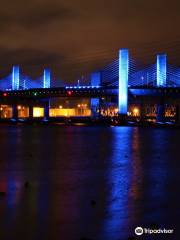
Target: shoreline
88,122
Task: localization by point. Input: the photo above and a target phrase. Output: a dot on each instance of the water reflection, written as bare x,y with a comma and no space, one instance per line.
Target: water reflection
157,178
124,183
130,173
118,183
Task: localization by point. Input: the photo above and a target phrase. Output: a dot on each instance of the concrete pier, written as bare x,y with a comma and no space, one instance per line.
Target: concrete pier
95,102
177,117
15,112
30,112
46,110
142,111
160,113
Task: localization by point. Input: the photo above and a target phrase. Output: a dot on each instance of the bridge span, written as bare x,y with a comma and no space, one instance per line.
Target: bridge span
119,89
91,92
137,96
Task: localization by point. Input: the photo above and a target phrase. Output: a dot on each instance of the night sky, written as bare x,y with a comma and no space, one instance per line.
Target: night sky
74,37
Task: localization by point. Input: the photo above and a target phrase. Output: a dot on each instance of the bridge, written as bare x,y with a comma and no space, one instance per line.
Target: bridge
121,82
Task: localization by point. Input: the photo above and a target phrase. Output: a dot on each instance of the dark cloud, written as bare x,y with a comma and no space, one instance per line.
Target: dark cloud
75,36
31,61
34,15
28,56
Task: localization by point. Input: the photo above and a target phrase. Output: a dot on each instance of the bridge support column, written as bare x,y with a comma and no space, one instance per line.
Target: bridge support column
1,113
142,111
14,112
95,102
123,83
177,118
46,110
30,112
94,107
160,113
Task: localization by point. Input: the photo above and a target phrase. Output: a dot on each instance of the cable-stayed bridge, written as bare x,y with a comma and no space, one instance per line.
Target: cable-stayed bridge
123,79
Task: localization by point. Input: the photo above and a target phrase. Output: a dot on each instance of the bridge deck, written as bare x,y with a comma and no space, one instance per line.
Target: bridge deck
88,92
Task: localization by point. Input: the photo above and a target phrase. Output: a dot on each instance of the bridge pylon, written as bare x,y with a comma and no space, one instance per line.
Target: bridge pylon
123,83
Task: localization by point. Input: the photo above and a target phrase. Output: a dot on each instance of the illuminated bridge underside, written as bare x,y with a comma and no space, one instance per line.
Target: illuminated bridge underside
86,92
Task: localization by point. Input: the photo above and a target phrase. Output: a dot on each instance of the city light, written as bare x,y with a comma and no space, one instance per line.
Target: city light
136,111
38,112
82,105
69,93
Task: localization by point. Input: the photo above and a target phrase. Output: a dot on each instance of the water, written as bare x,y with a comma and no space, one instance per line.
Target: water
130,174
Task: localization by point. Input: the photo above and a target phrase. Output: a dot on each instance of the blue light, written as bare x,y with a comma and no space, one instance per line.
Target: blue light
45,120
123,81
116,74
121,180
15,78
95,78
13,120
161,66
94,106
47,78
95,82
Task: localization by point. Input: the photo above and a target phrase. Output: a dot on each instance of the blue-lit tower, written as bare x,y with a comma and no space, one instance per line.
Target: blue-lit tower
15,78
161,70
95,82
123,81
96,79
46,78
